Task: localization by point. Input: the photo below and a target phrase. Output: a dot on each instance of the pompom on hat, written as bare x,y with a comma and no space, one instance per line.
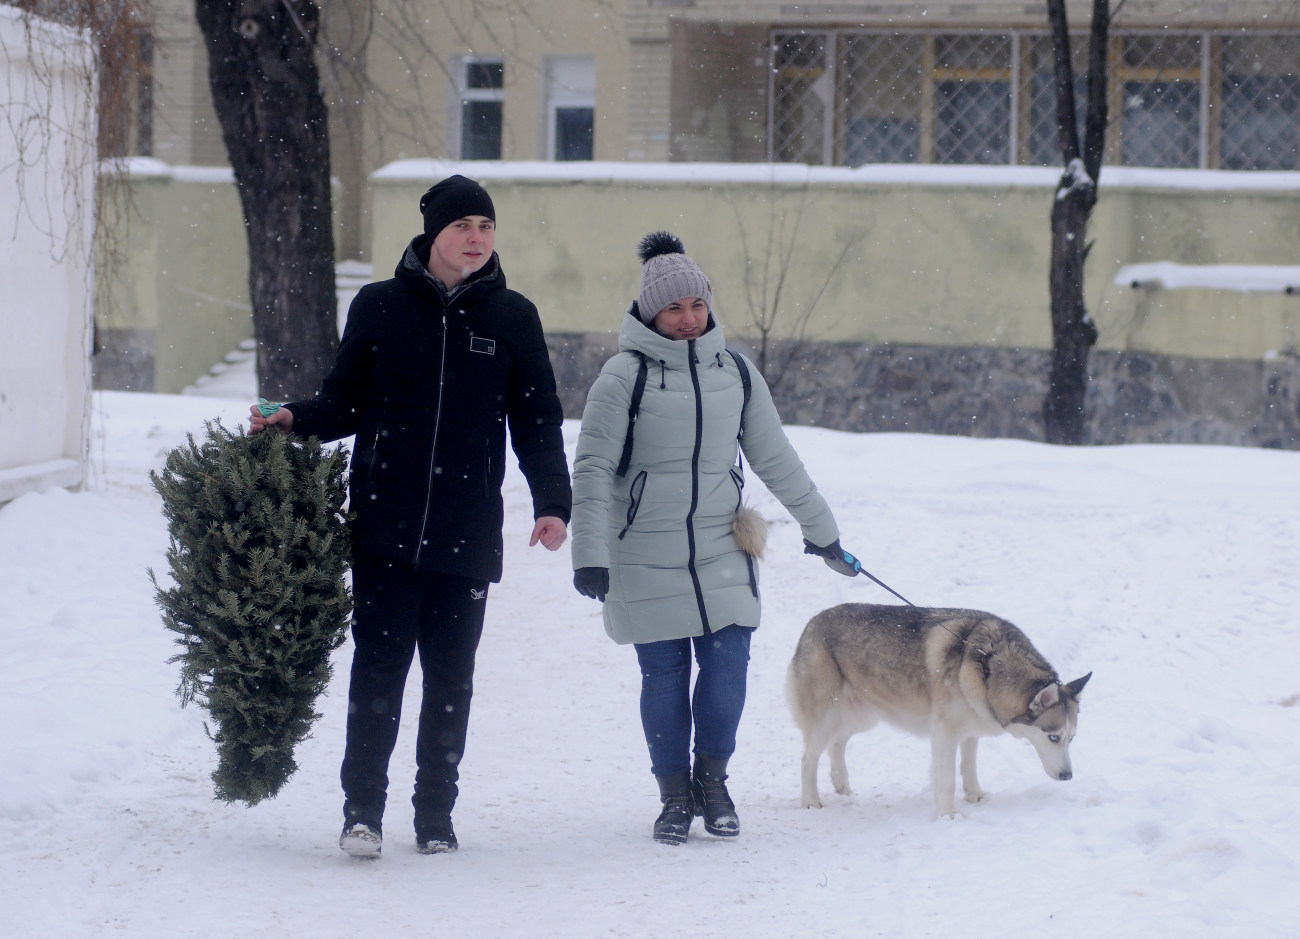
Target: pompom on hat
667,275
453,198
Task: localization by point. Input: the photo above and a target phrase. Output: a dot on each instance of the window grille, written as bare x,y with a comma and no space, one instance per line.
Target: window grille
880,109
1195,99
1159,83
801,106
1259,103
1039,144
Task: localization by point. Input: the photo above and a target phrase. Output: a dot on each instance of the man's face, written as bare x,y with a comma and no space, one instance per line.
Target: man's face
462,248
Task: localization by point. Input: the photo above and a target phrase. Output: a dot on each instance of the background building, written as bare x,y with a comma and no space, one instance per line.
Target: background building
1212,84
916,140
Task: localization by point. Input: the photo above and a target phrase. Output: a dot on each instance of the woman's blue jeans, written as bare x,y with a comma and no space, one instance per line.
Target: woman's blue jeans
668,708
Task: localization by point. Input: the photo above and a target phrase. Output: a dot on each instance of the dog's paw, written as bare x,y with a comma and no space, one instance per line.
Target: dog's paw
812,803
976,797
843,787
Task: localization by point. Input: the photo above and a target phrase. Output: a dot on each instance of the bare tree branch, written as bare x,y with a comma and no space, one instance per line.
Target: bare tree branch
765,290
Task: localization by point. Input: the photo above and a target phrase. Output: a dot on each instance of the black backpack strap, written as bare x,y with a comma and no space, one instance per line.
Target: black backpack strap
743,369
744,384
634,406
638,391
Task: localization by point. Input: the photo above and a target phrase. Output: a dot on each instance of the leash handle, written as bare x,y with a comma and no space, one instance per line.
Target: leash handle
857,567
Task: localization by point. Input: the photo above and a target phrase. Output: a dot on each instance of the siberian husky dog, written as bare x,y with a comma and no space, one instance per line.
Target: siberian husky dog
951,675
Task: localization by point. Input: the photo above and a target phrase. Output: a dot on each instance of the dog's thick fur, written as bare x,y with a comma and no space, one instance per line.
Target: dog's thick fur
951,675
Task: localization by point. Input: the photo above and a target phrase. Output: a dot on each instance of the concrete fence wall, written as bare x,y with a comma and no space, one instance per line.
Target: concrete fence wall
922,255
172,293
911,297
173,288
916,298
46,188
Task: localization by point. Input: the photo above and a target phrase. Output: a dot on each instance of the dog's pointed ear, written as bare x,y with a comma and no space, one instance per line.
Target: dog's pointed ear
1075,687
1046,697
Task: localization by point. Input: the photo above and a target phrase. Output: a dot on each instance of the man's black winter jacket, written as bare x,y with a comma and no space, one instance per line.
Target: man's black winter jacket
427,384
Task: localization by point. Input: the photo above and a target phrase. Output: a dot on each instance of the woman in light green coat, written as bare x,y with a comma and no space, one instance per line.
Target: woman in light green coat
659,532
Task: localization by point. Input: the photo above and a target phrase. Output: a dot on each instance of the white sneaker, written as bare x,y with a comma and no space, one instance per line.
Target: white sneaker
359,840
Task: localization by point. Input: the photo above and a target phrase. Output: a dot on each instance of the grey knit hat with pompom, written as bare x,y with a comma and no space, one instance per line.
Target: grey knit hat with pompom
667,275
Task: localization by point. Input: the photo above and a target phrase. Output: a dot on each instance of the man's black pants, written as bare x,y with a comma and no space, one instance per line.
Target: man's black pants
399,610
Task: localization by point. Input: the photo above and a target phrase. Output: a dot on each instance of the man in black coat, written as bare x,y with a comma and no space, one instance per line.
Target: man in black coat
432,367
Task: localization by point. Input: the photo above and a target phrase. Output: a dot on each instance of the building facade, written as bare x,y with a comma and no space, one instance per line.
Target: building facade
1213,84
920,137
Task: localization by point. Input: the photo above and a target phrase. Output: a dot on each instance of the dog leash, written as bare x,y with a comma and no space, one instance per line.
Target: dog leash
852,563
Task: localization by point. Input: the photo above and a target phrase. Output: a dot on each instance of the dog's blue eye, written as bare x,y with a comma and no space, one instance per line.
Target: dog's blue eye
1055,738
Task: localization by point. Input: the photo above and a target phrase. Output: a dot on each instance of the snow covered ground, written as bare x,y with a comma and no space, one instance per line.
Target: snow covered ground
1169,572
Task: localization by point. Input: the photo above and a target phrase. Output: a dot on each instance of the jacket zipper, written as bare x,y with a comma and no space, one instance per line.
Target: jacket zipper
695,486
374,454
433,444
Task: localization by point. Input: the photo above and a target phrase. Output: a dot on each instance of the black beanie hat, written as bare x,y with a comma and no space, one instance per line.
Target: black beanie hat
455,197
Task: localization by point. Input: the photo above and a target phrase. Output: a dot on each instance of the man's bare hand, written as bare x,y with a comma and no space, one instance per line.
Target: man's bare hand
550,531
280,419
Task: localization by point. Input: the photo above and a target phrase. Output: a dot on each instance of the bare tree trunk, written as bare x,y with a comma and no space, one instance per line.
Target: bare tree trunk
266,90
1073,331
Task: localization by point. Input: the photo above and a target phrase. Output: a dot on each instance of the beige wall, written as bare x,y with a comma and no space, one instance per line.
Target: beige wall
414,48
390,88
185,128
936,256
1138,224
179,277
933,258
413,52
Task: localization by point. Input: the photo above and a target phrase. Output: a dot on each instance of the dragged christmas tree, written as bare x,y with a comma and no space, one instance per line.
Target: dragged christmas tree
258,601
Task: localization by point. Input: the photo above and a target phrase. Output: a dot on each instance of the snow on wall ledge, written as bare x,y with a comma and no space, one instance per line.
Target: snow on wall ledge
38,477
1241,278
797,173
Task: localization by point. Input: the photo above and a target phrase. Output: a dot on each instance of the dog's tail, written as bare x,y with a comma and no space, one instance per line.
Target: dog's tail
792,697
802,694
814,680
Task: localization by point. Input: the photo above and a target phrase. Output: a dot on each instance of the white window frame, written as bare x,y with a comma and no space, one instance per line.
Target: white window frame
570,82
462,93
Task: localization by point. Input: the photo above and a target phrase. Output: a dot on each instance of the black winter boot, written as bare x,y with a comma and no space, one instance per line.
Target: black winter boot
436,838
674,823
712,801
433,831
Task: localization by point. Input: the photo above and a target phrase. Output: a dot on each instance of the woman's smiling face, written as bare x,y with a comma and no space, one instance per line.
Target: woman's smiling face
686,318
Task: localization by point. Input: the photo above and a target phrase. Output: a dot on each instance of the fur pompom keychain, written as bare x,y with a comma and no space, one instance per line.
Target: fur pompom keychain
750,529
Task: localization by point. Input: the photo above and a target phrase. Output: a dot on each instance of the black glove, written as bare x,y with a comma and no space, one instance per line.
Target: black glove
592,582
836,558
